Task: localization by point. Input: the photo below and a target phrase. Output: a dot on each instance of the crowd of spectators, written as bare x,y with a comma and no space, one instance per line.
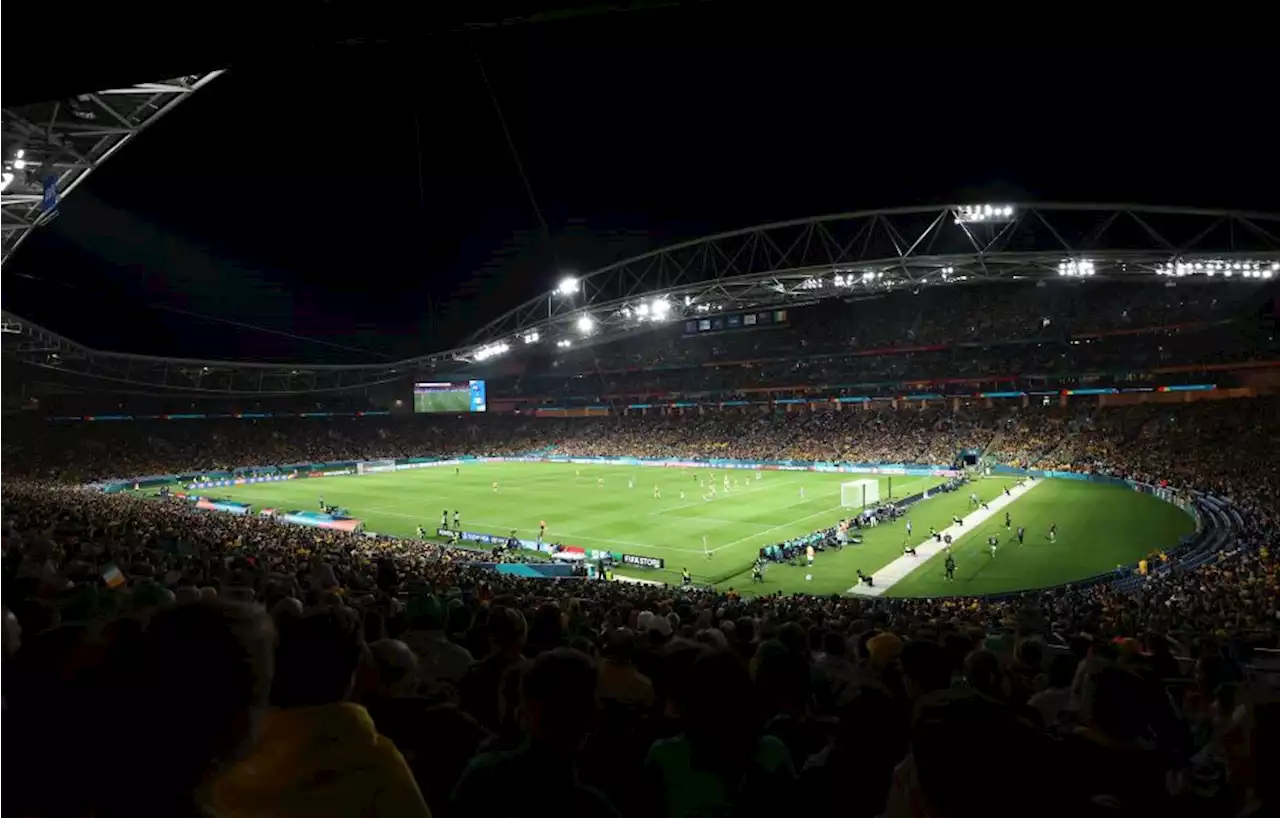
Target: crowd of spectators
1057,331
161,660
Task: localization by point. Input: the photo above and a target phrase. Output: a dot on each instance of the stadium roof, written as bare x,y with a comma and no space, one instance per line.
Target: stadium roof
785,264
877,250
51,147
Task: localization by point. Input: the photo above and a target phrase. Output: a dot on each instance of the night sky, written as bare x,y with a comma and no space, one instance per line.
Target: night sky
365,197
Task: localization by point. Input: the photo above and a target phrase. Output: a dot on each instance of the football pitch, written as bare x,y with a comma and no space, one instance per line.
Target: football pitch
445,401
592,506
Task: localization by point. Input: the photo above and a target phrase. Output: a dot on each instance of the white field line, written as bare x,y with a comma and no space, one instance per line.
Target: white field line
774,528
701,502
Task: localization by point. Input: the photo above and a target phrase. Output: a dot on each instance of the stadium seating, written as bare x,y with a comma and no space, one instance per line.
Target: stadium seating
182,662
1013,334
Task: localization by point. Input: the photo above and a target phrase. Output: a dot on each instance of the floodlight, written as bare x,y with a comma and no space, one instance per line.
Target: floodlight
968,214
1076,269
585,324
567,286
484,353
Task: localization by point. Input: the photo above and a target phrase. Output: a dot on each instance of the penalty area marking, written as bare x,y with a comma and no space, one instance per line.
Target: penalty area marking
896,571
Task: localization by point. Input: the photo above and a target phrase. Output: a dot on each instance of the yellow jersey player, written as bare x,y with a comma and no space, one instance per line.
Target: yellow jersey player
599,482
495,485
657,495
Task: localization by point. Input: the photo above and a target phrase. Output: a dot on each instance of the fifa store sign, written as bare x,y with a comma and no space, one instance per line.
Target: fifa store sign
643,562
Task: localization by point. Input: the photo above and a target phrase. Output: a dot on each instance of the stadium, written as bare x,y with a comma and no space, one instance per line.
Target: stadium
963,426
719,313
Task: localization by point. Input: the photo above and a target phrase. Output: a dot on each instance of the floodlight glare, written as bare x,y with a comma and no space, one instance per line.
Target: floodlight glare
491,351
1076,269
969,214
567,286
585,324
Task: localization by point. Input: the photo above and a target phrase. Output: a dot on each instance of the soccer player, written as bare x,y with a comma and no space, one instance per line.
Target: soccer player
802,492
908,548
456,524
956,520
727,482
809,554
757,475
495,485
322,504
422,534
1008,521
993,543
599,482
657,495
1022,532
1053,532
542,528
631,483
444,518
682,495
908,528
973,499
757,571
457,470
950,568
685,579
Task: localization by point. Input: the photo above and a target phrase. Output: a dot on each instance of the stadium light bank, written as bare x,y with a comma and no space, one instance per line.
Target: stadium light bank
991,213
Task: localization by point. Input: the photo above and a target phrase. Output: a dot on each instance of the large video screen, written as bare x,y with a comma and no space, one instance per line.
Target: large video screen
456,397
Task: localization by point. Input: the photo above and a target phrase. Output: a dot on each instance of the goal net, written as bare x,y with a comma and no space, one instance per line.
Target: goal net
860,493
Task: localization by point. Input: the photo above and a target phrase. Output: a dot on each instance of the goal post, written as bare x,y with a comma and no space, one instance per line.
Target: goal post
859,493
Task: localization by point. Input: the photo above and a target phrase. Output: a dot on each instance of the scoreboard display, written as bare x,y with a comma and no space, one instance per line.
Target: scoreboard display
452,397
735,321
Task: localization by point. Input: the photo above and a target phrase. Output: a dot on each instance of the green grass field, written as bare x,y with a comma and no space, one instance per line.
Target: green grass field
1098,526
456,401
